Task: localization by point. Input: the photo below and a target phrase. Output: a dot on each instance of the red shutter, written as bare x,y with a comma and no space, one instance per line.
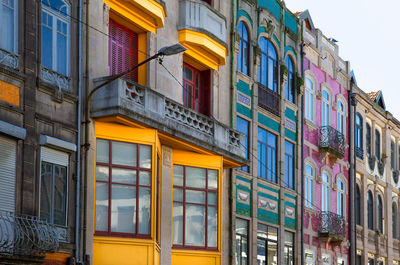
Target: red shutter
123,51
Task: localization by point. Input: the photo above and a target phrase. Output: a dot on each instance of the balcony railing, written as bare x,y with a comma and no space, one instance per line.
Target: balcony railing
268,99
25,235
332,141
359,152
331,225
8,58
395,175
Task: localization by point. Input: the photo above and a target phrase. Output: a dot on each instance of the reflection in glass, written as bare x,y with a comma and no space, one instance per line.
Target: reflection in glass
212,179
102,151
195,225
145,156
102,173
178,175
145,178
177,225
124,154
195,177
195,196
123,214
101,206
125,176
144,210
212,226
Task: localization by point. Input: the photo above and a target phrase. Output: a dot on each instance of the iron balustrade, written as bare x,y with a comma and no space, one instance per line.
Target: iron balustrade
25,235
371,162
268,99
395,174
331,225
359,152
331,140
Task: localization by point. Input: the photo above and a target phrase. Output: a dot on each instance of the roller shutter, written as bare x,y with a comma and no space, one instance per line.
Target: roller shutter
8,165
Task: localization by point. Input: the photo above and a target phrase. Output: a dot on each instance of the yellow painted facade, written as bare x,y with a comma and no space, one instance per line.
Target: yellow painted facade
9,93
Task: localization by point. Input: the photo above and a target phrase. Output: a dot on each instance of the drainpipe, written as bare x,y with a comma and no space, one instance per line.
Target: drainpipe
353,234
78,140
302,156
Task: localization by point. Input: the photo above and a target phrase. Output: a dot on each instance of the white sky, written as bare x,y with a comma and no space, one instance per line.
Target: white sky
368,32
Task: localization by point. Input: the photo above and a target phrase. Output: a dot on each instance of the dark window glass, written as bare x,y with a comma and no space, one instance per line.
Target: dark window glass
370,209
358,260
394,220
377,144
289,87
289,248
242,239
358,204
243,126
123,188
392,155
244,45
268,72
369,139
266,149
289,165
371,262
267,244
380,214
359,136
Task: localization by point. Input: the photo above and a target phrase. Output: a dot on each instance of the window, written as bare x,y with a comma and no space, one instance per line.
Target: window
123,188
358,260
325,192
244,49
371,261
394,221
267,72
392,155
289,165
377,145
8,166
380,214
195,208
56,35
123,50
53,186
196,93
357,205
243,127
359,136
289,248
266,149
326,108
309,100
309,186
341,120
242,239
370,209
289,86
369,140
9,25
267,244
340,198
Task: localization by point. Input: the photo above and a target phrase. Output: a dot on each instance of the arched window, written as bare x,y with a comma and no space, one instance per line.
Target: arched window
377,144
289,87
267,72
369,139
341,120
394,220
359,136
326,108
325,192
392,155
56,35
340,198
309,186
309,100
244,49
380,214
358,205
370,210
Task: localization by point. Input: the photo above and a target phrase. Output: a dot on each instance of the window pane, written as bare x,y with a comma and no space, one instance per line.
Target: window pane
195,196
195,177
145,178
47,41
124,154
212,227
61,48
45,191
125,176
7,28
102,151
212,198
261,252
195,225
123,214
187,73
241,227
101,206
177,237
272,253
145,156
60,195
144,210
102,173
178,175
212,179
262,231
272,233
178,194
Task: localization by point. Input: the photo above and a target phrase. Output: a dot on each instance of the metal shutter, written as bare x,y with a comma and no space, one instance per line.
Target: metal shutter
8,165
54,156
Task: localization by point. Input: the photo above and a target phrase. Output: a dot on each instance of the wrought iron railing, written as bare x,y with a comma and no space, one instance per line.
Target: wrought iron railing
359,152
8,58
26,235
371,162
381,167
331,140
268,99
395,175
331,225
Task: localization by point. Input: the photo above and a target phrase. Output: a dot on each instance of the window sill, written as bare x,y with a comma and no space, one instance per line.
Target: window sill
243,76
186,249
55,79
310,124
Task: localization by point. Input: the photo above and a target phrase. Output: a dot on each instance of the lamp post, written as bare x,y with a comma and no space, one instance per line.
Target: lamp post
164,51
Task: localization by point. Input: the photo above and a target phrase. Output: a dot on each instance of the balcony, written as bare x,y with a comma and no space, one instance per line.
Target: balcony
26,236
9,59
331,226
202,30
268,99
331,141
126,98
359,152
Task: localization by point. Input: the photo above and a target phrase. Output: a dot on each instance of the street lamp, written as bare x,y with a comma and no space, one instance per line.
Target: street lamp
164,51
